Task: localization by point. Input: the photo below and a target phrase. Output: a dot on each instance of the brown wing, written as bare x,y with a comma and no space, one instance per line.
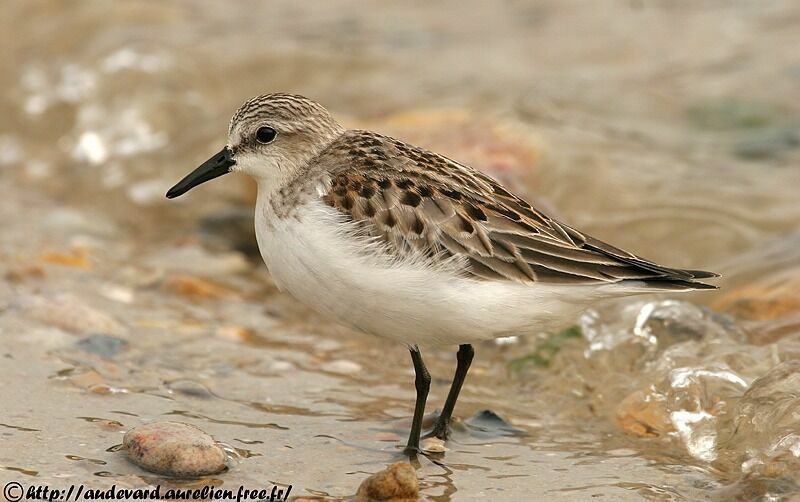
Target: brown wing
419,201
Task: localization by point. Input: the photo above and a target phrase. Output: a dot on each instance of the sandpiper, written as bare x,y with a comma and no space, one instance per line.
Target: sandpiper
407,244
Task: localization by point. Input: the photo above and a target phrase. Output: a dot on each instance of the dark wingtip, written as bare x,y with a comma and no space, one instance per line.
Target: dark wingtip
702,274
703,285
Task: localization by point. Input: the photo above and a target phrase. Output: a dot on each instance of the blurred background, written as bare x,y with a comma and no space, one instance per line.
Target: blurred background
668,128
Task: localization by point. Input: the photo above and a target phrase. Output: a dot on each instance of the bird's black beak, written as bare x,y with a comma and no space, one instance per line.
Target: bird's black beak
214,167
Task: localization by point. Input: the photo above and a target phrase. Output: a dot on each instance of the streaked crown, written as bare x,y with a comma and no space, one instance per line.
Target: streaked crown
293,112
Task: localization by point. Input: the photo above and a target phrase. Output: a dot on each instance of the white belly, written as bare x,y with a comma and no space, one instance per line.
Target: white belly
309,256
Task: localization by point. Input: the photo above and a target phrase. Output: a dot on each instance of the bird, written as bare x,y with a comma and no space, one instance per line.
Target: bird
404,243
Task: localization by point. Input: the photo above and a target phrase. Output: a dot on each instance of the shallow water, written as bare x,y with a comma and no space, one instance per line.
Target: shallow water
672,131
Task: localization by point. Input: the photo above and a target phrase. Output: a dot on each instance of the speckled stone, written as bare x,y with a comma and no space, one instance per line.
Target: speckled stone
174,449
398,482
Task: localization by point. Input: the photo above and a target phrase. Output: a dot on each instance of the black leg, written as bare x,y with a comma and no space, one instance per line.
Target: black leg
464,357
423,384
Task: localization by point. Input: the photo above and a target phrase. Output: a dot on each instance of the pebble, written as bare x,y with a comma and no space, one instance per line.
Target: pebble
78,258
398,482
119,294
88,379
70,314
433,445
342,366
174,449
17,273
643,415
190,388
281,366
197,288
238,333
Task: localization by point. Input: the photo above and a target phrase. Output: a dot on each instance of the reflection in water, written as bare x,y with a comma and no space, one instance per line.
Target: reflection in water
27,472
104,421
90,460
228,422
113,303
19,428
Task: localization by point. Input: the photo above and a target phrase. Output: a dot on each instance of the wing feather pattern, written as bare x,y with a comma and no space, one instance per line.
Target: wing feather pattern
417,201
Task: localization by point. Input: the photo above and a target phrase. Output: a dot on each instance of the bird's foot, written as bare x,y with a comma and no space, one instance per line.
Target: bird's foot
440,431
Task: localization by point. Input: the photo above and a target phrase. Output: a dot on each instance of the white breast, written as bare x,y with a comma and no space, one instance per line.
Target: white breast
314,257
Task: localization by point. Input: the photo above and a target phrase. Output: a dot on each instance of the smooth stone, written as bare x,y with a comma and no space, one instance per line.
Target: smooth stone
432,445
174,449
190,388
342,367
398,482
70,314
641,414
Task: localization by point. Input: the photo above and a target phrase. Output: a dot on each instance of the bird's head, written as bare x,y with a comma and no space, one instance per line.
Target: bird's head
270,138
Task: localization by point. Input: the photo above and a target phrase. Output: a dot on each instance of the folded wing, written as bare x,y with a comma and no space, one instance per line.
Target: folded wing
422,203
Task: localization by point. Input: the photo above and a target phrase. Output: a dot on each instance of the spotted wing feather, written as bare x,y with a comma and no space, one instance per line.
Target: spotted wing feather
417,202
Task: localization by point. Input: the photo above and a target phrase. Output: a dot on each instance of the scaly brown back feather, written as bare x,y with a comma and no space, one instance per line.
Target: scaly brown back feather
418,201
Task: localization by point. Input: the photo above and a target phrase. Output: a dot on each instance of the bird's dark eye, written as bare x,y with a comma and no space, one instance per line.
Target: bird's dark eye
265,135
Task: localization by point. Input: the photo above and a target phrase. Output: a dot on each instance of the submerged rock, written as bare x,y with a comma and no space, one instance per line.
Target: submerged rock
174,449
398,482
685,404
763,436
644,414
768,297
